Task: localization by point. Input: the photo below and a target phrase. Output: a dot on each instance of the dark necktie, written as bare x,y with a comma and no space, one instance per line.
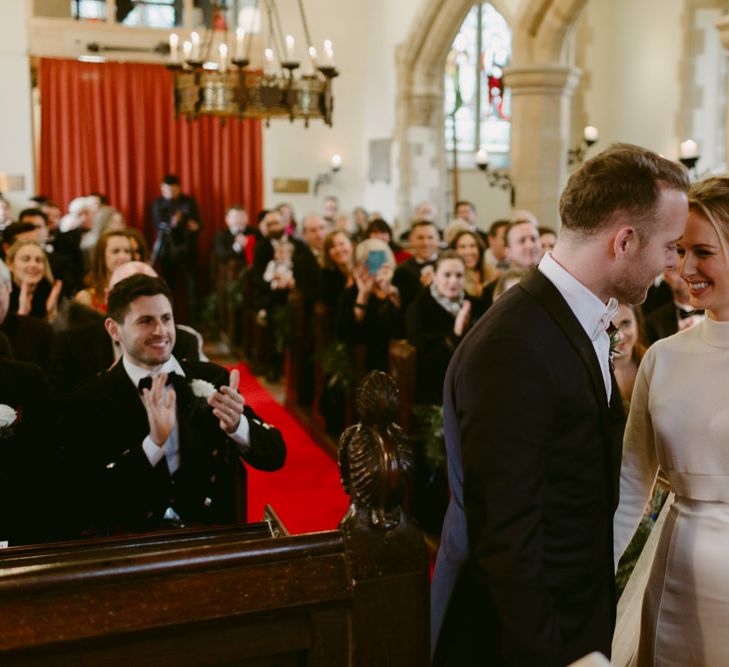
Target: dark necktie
146,382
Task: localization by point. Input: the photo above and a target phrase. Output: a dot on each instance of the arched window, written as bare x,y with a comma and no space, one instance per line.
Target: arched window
477,106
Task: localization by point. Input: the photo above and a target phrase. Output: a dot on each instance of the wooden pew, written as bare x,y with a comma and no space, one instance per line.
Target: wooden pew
403,360
244,595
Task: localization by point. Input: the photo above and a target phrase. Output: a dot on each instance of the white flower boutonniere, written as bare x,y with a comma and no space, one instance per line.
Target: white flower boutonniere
202,388
615,338
8,420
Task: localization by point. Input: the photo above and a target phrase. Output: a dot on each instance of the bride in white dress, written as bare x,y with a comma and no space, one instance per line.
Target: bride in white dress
679,420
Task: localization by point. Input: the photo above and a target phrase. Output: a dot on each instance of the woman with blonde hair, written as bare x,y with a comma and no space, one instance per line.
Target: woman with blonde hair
111,251
679,421
34,291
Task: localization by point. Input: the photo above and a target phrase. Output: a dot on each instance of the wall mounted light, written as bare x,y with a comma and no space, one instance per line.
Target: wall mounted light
495,177
590,135
335,164
688,155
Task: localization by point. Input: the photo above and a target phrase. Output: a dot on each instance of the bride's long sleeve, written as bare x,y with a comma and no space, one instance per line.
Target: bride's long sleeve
640,462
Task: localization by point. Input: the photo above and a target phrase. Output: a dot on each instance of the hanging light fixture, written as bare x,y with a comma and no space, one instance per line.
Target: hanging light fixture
222,82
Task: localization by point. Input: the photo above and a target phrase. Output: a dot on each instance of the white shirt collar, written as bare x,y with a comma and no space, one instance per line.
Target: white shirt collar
590,311
136,373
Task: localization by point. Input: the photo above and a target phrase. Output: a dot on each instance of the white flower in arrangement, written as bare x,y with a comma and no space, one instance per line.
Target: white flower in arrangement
7,416
202,388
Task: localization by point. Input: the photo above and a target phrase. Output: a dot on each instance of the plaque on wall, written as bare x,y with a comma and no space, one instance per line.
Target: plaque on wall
379,160
291,185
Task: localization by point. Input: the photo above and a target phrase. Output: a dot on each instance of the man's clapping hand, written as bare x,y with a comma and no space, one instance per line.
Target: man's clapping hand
228,404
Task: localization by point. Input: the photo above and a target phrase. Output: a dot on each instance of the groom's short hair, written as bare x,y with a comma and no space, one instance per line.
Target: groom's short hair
126,291
623,178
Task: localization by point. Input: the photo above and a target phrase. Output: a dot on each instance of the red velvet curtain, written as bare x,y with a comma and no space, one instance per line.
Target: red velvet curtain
110,128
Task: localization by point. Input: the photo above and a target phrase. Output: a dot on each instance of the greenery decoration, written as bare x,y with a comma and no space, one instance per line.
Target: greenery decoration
429,432
336,362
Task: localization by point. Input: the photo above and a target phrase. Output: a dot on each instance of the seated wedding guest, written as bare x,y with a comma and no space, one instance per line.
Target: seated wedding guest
105,219
369,312
231,242
675,315
138,245
111,251
5,216
547,239
18,231
523,251
336,274
288,218
72,228
143,456
313,232
436,322
507,280
377,228
360,219
330,209
417,272
26,429
34,291
466,211
61,266
496,251
83,352
29,338
628,349
471,249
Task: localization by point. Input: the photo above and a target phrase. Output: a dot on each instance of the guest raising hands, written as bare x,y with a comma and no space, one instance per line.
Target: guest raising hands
370,312
34,291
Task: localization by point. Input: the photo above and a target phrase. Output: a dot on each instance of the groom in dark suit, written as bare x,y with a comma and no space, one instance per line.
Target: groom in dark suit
145,455
533,427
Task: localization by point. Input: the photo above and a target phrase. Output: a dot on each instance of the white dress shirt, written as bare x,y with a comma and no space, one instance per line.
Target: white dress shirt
171,450
590,311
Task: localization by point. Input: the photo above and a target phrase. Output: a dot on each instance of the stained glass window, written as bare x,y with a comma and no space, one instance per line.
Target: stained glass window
477,105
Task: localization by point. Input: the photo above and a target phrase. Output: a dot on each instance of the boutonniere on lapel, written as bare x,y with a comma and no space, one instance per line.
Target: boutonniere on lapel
9,418
615,338
202,390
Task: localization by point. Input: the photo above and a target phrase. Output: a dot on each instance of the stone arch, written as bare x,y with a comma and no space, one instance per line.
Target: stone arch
540,28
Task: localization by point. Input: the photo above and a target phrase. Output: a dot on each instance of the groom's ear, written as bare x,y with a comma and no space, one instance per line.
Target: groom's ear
112,328
625,240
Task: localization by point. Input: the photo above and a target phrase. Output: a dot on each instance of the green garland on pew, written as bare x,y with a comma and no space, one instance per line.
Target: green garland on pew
336,362
429,432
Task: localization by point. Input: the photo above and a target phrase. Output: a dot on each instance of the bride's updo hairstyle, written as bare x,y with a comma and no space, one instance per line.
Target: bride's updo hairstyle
710,199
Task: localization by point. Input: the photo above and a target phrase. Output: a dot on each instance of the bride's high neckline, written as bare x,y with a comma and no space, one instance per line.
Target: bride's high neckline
714,332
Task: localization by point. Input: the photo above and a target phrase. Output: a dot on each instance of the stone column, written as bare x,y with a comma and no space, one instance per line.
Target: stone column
540,136
722,26
16,121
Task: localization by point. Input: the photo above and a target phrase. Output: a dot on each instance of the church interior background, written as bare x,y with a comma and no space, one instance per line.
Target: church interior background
535,72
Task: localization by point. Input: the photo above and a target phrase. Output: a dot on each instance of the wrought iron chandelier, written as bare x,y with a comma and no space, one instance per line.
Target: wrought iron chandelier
207,81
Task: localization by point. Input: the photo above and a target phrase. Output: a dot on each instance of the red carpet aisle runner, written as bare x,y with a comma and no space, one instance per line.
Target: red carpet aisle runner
306,493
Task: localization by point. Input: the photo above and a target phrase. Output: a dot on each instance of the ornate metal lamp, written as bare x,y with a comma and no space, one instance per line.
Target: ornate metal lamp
232,88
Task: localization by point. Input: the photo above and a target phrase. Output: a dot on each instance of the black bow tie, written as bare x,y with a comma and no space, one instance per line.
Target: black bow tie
612,329
146,382
683,314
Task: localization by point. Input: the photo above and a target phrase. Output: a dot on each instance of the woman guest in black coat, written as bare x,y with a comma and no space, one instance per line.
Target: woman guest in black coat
369,311
436,322
337,264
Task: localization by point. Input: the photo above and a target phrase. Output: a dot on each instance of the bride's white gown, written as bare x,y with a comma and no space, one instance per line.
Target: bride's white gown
679,419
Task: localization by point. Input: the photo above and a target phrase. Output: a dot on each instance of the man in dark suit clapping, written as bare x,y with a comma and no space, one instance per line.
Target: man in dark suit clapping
144,455
533,428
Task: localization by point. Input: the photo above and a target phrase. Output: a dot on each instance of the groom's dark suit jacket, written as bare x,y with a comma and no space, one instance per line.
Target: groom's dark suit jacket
525,569
117,490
